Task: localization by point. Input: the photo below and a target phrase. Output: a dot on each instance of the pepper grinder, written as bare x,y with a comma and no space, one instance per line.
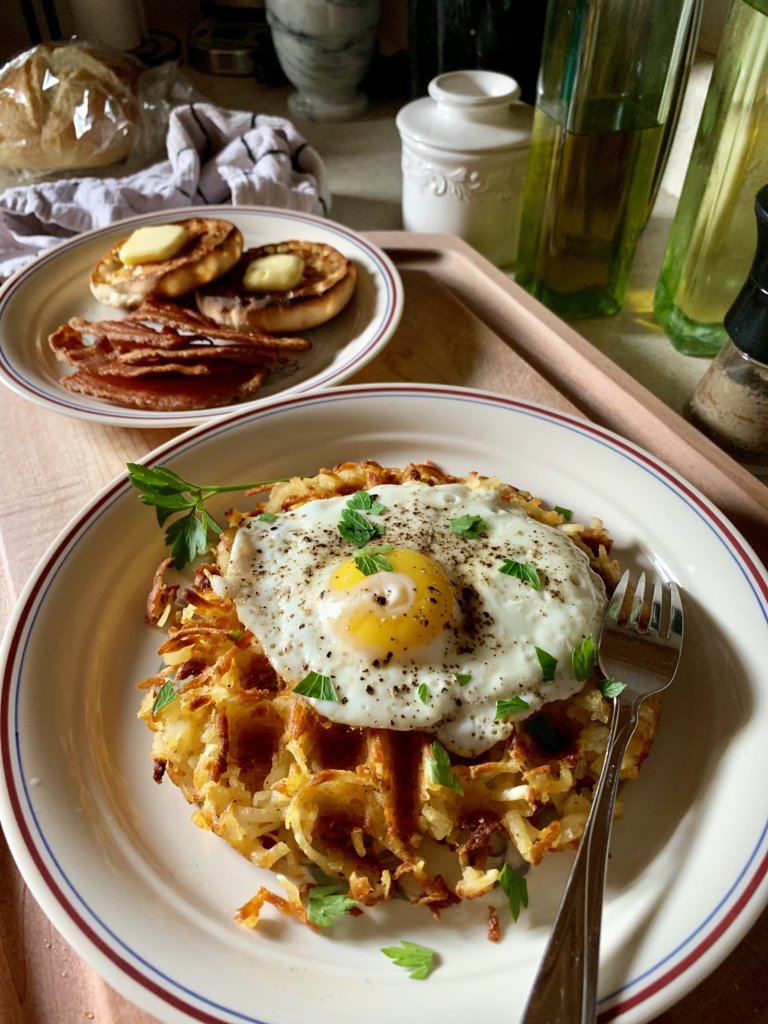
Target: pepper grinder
730,403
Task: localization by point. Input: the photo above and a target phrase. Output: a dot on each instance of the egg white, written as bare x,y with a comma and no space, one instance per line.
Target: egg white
279,574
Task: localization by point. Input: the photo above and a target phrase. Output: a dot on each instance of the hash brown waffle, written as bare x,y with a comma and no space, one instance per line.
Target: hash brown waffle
290,790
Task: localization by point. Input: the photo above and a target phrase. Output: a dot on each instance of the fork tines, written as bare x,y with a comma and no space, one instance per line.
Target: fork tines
640,615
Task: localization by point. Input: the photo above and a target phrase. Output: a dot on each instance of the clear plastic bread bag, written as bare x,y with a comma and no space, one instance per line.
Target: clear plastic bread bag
69,109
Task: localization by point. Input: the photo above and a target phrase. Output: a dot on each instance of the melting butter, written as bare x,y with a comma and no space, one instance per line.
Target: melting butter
275,273
153,244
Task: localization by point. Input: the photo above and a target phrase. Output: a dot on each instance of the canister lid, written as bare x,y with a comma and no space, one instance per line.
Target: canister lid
469,111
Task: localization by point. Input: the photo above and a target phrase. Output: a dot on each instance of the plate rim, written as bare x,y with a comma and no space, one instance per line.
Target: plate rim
706,954
114,415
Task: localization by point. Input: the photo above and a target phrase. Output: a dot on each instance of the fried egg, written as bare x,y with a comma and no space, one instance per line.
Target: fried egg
414,607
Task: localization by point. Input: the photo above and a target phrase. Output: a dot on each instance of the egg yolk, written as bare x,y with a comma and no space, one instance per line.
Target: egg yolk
389,612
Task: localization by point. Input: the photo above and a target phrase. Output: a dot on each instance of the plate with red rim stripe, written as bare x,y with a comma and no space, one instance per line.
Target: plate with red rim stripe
149,900
54,287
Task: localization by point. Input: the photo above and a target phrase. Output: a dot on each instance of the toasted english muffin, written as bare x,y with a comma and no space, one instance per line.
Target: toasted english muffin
326,285
210,249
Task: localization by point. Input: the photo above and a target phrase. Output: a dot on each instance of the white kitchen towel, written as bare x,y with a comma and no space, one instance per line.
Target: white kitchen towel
214,156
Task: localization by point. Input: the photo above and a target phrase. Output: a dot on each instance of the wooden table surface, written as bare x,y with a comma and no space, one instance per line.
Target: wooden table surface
50,465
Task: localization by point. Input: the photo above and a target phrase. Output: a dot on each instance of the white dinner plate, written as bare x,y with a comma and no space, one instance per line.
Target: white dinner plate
54,287
148,899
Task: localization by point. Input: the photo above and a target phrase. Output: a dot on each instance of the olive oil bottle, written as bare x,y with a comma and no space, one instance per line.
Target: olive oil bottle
578,235
608,77
713,233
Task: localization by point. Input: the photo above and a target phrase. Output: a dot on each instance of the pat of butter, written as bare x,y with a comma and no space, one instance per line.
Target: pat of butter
153,244
275,273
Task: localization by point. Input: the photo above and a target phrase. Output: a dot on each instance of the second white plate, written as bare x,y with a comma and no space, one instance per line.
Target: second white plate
54,287
148,899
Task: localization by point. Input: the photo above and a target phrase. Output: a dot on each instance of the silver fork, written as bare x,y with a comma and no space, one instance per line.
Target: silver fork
638,655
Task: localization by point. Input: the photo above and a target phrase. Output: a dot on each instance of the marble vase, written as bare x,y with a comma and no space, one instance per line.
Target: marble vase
324,48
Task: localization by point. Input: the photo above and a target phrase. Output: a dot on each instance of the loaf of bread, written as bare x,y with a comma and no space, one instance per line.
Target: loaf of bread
67,106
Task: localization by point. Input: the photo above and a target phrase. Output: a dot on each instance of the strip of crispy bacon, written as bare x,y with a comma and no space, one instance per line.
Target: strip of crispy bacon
167,357
243,354
181,318
102,357
125,333
170,392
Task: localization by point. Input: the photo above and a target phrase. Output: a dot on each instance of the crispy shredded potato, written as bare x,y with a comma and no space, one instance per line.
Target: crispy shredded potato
290,790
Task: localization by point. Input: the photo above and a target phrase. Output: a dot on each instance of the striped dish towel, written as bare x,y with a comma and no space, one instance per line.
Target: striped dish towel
213,156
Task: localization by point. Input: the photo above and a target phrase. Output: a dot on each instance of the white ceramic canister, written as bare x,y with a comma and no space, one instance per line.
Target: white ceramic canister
464,156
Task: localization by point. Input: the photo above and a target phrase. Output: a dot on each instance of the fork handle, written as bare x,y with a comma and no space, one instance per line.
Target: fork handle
565,988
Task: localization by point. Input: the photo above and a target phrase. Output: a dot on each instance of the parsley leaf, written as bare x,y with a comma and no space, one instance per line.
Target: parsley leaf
423,692
515,888
583,659
540,727
566,513
416,959
316,686
187,536
366,501
440,773
505,708
521,570
268,517
610,687
165,695
548,665
472,527
357,528
373,560
462,678
327,903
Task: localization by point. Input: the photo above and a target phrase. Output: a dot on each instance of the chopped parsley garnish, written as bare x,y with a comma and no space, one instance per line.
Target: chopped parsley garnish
268,517
521,570
236,634
423,692
515,888
566,513
357,528
187,536
440,773
165,695
463,678
583,659
373,560
367,502
327,903
610,687
316,686
543,731
472,527
505,708
416,959
548,665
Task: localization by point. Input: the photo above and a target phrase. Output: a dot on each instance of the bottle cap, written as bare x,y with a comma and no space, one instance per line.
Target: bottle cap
747,319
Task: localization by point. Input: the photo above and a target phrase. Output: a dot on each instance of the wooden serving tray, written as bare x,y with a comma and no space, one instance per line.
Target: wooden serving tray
464,323
470,324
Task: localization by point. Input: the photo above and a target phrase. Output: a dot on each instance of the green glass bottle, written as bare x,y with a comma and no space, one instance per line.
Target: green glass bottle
713,232
606,87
